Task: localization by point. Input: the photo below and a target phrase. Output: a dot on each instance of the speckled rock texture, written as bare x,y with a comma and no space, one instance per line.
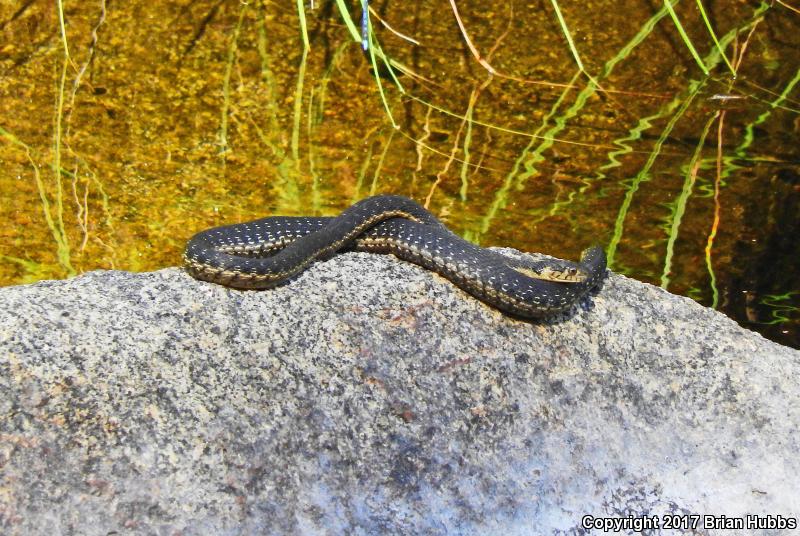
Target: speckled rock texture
369,396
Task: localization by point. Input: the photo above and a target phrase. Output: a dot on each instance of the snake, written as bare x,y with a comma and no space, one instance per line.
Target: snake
268,252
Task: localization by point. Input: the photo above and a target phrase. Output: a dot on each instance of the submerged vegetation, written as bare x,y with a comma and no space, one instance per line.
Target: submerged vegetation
666,131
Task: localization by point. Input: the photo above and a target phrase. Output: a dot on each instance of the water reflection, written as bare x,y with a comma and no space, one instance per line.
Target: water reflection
543,127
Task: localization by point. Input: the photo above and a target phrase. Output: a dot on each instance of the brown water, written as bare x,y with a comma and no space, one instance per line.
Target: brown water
168,118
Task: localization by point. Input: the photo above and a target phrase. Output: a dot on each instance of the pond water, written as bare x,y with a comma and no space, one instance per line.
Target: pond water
544,126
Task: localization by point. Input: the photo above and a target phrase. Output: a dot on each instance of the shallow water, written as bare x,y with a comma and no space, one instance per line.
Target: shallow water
166,119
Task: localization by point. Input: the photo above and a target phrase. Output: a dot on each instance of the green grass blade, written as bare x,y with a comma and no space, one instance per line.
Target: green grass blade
714,37
378,81
301,13
568,35
348,20
685,37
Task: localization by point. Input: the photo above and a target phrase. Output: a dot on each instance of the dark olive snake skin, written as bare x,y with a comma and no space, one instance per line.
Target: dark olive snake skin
267,252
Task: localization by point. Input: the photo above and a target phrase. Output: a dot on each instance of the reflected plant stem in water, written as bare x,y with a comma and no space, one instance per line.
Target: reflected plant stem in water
782,310
290,169
316,198
527,159
642,125
226,86
717,209
62,241
40,186
679,206
711,60
374,187
362,171
269,82
749,131
419,144
549,137
316,113
644,174
91,177
473,99
442,172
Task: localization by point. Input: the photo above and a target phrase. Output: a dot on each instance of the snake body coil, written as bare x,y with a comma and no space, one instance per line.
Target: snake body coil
266,252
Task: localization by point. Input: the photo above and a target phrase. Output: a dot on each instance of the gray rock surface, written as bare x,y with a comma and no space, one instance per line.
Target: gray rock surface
369,396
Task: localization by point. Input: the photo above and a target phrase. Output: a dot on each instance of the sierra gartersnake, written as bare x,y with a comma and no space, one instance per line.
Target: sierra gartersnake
266,252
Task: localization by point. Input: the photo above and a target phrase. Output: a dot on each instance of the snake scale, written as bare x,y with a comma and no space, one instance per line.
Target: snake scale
267,252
